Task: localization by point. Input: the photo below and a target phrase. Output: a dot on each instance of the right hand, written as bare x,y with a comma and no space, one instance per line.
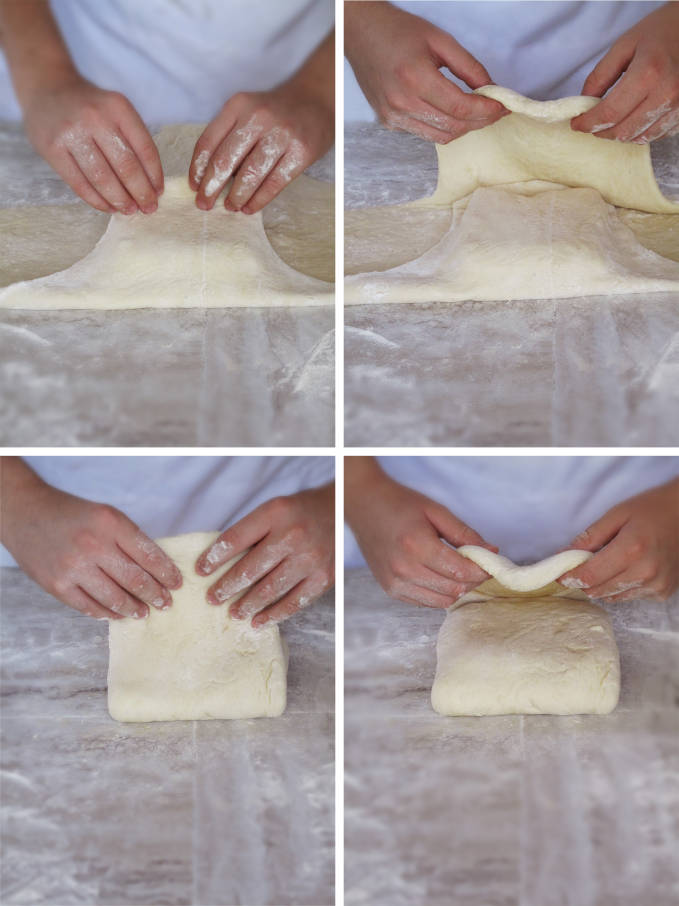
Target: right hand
396,57
88,555
403,537
97,142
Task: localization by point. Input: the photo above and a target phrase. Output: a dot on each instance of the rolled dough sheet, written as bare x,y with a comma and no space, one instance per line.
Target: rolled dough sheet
532,217
523,644
179,257
193,661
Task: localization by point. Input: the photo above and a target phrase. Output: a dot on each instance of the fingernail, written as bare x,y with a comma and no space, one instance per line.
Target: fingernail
130,209
236,613
640,141
150,209
138,615
230,206
246,210
572,582
202,204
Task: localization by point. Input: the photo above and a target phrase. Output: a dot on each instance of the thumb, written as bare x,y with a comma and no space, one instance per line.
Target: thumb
609,68
453,530
458,60
601,532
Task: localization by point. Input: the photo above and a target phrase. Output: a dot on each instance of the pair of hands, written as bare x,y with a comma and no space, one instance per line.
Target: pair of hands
406,537
93,558
396,57
97,142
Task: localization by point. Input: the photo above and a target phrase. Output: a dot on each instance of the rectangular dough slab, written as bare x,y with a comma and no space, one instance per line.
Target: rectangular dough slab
193,661
526,655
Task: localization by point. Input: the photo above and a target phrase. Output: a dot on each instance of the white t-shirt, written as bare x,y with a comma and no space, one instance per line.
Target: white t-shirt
543,50
529,506
178,61
170,495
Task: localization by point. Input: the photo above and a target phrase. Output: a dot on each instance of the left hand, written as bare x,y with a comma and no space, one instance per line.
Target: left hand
290,561
636,549
264,140
644,104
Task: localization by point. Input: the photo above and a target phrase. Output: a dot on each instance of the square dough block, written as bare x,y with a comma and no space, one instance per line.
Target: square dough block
193,661
526,655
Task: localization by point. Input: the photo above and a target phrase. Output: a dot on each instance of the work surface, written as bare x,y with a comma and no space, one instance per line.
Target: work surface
203,813
589,371
502,811
237,377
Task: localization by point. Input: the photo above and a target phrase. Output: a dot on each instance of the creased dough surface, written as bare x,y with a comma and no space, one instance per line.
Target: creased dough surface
179,257
193,661
522,644
533,217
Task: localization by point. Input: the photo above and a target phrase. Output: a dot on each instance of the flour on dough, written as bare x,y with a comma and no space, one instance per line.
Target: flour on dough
532,216
179,257
521,643
193,661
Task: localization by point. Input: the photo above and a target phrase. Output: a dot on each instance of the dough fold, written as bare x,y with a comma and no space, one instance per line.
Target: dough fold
521,643
533,216
193,661
178,257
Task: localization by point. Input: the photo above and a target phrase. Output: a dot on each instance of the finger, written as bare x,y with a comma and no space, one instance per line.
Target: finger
208,143
289,167
235,540
71,173
229,155
459,61
423,577
255,168
453,529
441,558
403,122
445,96
666,125
421,597
643,117
604,567
267,591
135,580
602,531
609,69
98,171
604,118
110,595
300,597
253,567
148,555
129,170
81,601
134,130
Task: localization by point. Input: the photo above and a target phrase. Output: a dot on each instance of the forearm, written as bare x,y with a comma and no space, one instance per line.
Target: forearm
35,51
316,77
17,482
361,476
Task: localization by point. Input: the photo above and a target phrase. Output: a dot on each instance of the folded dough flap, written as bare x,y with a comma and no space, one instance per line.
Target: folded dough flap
510,580
193,661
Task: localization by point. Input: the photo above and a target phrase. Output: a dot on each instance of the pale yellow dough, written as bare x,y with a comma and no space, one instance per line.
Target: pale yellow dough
193,661
532,217
523,644
179,257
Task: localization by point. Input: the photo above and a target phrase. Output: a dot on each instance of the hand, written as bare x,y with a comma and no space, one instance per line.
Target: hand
636,549
265,139
396,58
88,555
289,562
98,144
644,104
403,537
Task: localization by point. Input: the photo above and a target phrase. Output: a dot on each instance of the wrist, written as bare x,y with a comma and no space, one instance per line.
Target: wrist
18,485
362,476
34,82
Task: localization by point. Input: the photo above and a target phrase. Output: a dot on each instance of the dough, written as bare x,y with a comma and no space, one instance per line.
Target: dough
531,217
523,644
192,661
179,257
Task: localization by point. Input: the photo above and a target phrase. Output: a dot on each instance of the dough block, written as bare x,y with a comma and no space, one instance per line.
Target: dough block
193,661
541,650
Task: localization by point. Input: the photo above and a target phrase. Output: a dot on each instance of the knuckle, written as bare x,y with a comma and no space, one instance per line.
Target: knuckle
279,506
105,516
61,585
296,535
